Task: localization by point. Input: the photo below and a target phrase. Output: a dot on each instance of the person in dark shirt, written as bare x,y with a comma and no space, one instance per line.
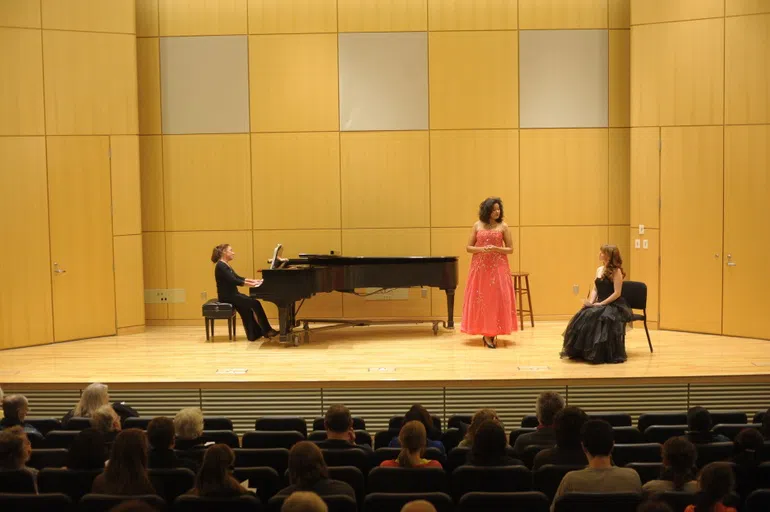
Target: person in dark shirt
214,479
548,404
126,471
699,425
419,413
308,472
255,322
160,434
340,435
15,410
489,447
568,450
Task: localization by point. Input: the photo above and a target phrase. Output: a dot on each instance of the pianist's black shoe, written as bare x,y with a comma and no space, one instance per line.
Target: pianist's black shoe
272,333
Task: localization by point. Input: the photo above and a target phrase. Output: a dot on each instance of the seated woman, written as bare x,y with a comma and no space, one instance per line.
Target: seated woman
419,413
15,451
126,472
255,321
413,440
489,447
568,450
678,468
308,472
597,333
215,479
716,482
94,396
479,417
188,426
88,451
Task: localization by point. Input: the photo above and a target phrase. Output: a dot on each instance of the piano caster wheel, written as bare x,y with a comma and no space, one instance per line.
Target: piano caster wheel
295,340
435,328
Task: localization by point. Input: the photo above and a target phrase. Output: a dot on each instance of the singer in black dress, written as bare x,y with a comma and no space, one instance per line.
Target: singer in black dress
597,333
255,322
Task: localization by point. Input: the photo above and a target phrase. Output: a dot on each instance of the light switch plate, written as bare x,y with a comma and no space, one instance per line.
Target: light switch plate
637,243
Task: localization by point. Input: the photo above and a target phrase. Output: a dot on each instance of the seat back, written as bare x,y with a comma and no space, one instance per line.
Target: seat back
140,422
635,293
217,423
396,422
351,457
627,435
394,502
591,502
456,420
515,433
78,423
227,437
382,438
48,458
660,418
731,430
281,423
530,452
622,454
647,470
36,439
456,458
265,480
451,438
245,503
358,424
662,433
272,439
44,425
467,479
615,419
276,458
713,452
105,502
171,483
352,476
408,480
731,417
532,501
758,501
546,479
75,483
36,502
529,421
17,480
60,438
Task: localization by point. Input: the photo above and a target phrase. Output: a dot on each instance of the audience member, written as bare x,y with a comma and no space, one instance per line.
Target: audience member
340,435
15,410
716,482
600,475
419,413
308,472
412,437
188,424
766,425
748,446
126,472
304,501
88,450
548,404
418,506
568,450
15,451
161,436
699,425
93,397
215,479
489,447
479,417
678,468
106,420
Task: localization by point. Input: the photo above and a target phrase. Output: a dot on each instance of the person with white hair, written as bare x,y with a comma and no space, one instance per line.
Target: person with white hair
15,410
94,396
188,425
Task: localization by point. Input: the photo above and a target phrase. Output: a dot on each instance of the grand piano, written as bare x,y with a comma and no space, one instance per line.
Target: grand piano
301,278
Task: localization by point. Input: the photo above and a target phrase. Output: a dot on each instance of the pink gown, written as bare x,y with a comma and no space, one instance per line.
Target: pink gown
489,307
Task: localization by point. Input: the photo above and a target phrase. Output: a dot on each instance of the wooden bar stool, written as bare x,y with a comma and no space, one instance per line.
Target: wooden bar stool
520,292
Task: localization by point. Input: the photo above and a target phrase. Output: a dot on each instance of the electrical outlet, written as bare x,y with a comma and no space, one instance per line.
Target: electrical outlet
424,293
641,229
156,296
646,244
637,243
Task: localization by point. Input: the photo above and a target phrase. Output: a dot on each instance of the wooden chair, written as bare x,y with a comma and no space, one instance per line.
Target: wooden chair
522,288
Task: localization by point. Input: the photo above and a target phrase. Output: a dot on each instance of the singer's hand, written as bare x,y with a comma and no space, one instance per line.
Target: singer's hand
588,303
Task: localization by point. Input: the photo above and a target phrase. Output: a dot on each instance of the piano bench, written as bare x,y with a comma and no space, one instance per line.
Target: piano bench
213,310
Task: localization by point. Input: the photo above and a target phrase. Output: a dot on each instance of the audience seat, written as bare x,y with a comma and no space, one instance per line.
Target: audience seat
74,483
396,422
515,433
456,458
44,425
546,479
334,502
660,418
227,437
78,423
281,424
763,476
407,480
662,433
647,470
713,452
140,422
36,440
530,452
17,480
729,417
382,438
60,438
217,423
758,501
758,417
467,479
362,436
272,439
731,430
616,419
276,458
352,476
358,424
171,483
529,421
105,502
507,501
393,502
265,480
244,503
622,454
353,457
456,420
591,502
48,458
627,435
451,438
35,503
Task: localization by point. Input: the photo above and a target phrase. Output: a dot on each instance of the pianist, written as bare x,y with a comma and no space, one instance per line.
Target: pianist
255,321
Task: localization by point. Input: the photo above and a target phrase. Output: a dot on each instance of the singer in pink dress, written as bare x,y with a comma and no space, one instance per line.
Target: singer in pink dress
489,307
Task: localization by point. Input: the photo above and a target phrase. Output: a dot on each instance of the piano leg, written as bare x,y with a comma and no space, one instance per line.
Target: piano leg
286,320
450,304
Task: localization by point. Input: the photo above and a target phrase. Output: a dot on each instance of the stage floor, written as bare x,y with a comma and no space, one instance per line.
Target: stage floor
378,356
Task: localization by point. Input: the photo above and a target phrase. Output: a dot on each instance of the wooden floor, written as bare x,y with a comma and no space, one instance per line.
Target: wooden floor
379,356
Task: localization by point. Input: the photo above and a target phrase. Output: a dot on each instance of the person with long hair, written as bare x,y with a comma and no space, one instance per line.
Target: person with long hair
716,482
15,452
308,472
419,413
489,447
597,333
93,396
478,418
678,468
215,479
126,472
413,440
255,322
489,306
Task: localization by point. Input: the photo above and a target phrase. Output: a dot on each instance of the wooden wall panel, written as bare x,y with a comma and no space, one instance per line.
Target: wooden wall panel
740,7
387,242
679,73
148,83
645,266
301,168
154,271
293,83
151,182
552,275
473,80
382,15
90,83
296,241
620,78
21,82
129,281
26,318
385,179
189,266
207,182
645,177
147,18
472,14
292,16
620,13
556,14
658,11
747,69
456,189
564,177
620,177
117,16
126,189
202,17
618,235
19,13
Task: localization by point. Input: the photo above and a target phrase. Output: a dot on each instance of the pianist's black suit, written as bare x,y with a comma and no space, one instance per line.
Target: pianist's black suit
227,289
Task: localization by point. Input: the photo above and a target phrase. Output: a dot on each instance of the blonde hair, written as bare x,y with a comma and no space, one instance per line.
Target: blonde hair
304,501
103,419
188,423
480,417
93,397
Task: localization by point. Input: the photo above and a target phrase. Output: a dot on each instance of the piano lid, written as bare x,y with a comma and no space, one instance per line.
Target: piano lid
335,259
